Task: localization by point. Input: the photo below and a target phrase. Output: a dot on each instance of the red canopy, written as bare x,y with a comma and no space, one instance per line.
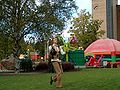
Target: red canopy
104,45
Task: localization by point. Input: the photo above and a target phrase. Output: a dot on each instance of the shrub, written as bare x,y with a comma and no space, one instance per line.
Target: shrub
47,66
67,66
26,64
42,66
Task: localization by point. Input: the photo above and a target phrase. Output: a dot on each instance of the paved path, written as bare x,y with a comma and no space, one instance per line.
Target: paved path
12,73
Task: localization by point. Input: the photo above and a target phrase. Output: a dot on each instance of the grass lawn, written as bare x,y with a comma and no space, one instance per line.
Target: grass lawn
85,79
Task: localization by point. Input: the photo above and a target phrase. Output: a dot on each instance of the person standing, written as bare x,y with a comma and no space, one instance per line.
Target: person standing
54,51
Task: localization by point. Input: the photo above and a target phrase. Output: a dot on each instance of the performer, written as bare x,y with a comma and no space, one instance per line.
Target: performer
54,51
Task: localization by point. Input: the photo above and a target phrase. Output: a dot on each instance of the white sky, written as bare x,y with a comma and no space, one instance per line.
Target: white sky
86,4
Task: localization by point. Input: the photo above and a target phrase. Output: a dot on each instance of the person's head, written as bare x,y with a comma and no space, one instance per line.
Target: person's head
54,41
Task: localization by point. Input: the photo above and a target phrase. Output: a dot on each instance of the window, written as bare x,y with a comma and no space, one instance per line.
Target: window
118,56
107,56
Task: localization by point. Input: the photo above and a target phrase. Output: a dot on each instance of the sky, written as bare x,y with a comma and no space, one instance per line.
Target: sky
86,4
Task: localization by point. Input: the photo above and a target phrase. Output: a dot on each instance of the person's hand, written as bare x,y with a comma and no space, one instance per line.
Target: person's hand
56,48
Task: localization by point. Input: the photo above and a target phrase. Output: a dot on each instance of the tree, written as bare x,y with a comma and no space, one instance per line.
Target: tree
56,14
21,17
86,29
5,46
16,19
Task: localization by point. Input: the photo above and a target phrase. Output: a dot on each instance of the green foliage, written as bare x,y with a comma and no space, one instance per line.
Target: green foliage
26,64
23,45
86,29
5,46
21,17
40,46
60,40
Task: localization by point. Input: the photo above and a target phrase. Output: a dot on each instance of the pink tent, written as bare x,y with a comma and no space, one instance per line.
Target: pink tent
104,46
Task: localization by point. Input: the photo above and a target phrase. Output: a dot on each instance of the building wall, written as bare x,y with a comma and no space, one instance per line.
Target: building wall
106,10
99,12
118,22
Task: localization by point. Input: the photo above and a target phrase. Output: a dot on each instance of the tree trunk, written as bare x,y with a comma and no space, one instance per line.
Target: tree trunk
16,53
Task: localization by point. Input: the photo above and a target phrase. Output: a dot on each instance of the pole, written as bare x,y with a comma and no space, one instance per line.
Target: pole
44,47
47,47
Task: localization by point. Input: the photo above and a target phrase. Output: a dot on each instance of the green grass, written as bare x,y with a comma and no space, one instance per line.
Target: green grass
85,79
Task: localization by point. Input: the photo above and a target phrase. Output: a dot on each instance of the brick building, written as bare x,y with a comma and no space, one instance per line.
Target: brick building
107,10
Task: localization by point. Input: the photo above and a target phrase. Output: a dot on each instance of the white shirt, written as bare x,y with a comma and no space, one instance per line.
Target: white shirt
56,49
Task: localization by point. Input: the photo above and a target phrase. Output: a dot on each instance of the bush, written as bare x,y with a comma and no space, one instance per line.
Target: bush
26,64
67,66
42,66
47,66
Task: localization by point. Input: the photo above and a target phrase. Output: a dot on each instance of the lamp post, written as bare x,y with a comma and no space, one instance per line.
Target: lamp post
46,47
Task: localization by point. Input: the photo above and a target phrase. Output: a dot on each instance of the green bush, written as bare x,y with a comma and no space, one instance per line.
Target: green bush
26,64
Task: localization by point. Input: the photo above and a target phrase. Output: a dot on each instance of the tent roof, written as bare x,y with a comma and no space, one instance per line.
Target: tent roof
104,45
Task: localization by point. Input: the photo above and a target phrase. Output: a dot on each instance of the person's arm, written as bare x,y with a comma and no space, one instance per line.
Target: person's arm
56,48
61,50
49,55
50,48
